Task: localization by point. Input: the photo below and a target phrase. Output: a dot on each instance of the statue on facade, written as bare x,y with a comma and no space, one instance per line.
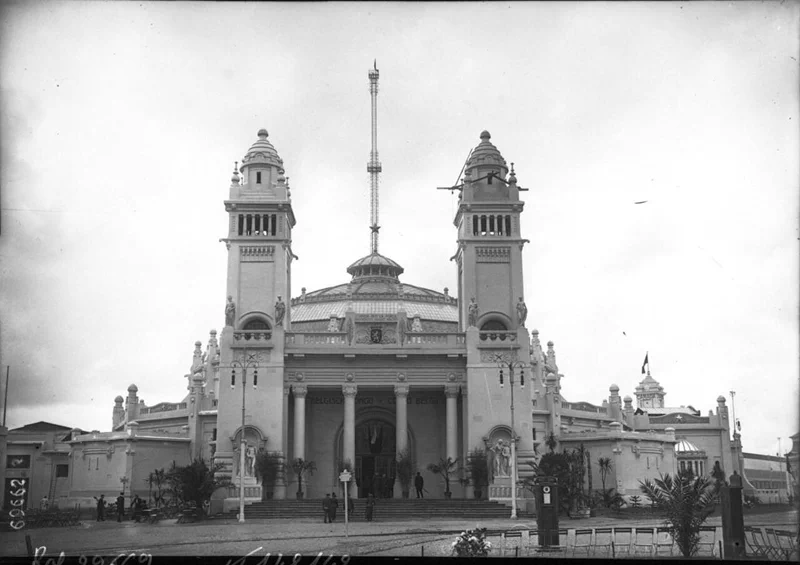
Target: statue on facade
280,311
416,325
249,460
333,324
230,311
502,456
472,313
522,312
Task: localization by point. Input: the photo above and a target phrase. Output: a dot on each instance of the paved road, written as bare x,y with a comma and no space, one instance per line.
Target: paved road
307,537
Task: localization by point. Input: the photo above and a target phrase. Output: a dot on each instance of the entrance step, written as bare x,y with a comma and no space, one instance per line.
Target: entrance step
385,509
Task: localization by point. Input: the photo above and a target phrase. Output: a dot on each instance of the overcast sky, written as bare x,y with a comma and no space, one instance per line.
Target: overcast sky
121,123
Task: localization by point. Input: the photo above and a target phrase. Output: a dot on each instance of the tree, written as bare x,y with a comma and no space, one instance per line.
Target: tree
268,467
589,477
445,467
300,467
604,463
196,482
158,479
687,501
478,466
551,442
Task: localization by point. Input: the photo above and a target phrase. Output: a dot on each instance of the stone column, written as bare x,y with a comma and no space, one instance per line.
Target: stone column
349,391
280,483
300,392
451,394
401,416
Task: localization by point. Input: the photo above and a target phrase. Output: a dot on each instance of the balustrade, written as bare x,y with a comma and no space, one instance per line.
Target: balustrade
498,335
252,335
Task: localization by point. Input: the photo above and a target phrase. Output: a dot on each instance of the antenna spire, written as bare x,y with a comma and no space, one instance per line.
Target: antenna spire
374,166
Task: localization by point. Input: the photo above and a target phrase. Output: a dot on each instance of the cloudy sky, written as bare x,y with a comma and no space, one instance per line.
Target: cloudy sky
121,123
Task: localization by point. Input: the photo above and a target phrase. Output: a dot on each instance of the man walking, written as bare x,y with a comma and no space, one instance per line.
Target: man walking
326,507
419,483
334,506
120,506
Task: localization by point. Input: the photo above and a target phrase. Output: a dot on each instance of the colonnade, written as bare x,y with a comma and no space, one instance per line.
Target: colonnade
349,392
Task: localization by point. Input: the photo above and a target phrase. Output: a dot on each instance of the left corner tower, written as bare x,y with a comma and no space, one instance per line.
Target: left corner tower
259,238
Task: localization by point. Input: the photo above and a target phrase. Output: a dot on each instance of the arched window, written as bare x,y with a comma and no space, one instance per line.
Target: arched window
257,324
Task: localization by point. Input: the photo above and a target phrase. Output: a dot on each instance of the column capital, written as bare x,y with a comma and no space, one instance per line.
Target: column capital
286,389
451,390
300,390
401,389
349,390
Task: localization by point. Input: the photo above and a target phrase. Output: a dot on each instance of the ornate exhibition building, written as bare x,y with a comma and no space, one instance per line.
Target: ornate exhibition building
366,369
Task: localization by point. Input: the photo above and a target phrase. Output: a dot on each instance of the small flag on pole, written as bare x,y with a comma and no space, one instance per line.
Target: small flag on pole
646,362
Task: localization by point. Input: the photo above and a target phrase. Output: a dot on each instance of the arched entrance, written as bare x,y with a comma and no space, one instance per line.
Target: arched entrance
375,457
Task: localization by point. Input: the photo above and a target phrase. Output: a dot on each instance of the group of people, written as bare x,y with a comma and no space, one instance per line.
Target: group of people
330,505
137,505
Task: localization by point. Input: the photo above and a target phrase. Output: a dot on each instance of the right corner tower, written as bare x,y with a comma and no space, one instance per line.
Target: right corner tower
492,308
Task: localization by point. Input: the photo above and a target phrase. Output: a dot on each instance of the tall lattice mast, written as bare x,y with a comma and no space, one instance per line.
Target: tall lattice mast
374,166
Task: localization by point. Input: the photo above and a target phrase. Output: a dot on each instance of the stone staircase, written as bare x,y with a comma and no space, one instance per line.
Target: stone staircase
385,509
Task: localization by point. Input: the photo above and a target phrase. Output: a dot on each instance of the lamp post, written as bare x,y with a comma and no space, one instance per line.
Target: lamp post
249,360
511,365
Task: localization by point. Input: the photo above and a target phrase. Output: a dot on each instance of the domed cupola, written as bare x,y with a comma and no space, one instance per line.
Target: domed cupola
375,266
484,158
261,164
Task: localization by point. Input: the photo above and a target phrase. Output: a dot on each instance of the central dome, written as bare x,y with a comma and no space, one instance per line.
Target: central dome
375,265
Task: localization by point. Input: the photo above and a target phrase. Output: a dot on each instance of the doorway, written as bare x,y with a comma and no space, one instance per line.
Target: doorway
375,458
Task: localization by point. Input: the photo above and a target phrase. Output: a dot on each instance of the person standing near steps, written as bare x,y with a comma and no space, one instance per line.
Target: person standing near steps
326,507
419,484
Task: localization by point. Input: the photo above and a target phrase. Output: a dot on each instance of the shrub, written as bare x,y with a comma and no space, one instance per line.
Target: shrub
472,543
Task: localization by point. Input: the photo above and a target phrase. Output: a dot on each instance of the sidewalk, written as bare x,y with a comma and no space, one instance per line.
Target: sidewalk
305,536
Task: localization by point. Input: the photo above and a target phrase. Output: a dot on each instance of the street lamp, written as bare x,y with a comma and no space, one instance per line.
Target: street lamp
250,360
511,365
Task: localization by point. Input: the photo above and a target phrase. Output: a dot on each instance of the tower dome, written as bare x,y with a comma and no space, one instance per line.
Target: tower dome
262,152
486,155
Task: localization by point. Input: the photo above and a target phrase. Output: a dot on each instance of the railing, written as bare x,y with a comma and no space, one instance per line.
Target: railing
495,336
419,338
584,407
252,335
167,408
339,340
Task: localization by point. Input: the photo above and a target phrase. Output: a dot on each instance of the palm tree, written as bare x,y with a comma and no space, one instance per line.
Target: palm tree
604,463
300,467
687,501
445,467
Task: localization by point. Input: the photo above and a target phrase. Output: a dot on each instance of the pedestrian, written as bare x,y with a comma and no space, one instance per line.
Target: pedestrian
136,507
370,506
334,506
419,484
120,506
101,508
350,506
326,507
45,503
